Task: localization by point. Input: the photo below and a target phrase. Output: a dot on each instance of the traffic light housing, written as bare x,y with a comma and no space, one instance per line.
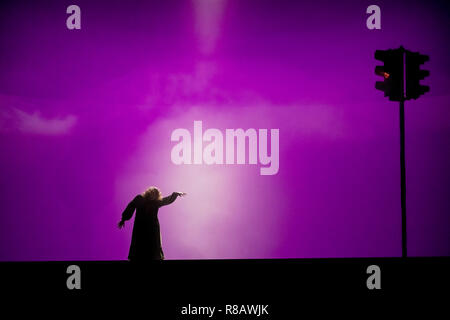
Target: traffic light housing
392,72
414,74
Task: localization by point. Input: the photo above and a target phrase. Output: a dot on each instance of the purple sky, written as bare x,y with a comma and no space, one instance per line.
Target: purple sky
86,118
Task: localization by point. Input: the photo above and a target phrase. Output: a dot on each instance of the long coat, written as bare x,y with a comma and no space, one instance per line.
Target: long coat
146,238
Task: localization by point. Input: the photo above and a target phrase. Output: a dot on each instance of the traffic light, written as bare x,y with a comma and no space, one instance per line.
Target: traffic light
397,61
413,74
392,71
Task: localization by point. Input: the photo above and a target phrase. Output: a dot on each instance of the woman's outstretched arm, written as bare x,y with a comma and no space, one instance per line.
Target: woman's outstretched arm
169,199
128,212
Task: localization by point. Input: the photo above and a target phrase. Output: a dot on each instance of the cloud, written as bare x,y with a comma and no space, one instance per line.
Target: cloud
35,123
175,88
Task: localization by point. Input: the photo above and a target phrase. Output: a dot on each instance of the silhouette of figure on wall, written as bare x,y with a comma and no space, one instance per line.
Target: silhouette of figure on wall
146,238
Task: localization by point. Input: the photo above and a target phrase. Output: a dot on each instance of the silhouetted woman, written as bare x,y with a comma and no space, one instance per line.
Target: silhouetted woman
146,238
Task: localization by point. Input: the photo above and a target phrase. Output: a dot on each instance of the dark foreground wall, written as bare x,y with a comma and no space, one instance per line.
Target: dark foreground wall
167,287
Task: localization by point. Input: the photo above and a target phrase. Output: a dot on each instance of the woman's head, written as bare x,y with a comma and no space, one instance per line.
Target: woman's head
152,193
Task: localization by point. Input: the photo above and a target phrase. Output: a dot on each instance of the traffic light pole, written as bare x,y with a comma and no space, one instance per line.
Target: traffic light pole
403,175
402,156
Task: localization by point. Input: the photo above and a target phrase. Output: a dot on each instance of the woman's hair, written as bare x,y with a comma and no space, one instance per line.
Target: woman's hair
152,193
